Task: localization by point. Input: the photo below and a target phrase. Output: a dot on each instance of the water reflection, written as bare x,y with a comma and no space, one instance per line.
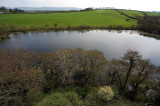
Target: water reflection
112,43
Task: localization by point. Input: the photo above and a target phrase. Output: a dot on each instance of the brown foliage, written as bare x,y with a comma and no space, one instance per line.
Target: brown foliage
22,71
17,75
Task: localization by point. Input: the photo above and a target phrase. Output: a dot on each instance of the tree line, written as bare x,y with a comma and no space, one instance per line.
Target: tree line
15,10
22,72
149,24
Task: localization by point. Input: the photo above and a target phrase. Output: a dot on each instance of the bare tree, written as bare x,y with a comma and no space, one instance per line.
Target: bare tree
65,64
90,63
129,61
132,70
141,73
48,61
114,72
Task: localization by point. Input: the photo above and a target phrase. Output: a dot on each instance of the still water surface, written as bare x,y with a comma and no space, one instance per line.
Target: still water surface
112,43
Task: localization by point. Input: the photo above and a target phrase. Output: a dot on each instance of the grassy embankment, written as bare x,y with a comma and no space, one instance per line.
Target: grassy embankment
97,19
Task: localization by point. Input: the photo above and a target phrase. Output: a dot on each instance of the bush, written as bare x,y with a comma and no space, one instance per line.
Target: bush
33,97
62,99
13,27
3,28
46,25
65,89
99,98
117,95
85,90
74,98
91,100
141,98
105,93
55,25
56,99
34,28
82,91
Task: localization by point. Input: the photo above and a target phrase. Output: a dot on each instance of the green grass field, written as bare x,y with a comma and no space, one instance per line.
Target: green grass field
153,14
96,18
132,13
92,18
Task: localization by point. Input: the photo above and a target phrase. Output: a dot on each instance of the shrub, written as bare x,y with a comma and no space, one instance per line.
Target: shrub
91,100
82,91
13,27
62,99
105,93
33,97
3,29
85,90
74,98
55,25
56,99
65,89
33,28
47,25
69,27
141,98
116,93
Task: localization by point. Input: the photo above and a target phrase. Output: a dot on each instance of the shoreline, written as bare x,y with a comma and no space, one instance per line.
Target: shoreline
6,30
4,34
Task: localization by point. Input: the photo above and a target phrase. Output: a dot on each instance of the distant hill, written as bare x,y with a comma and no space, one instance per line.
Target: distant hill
46,8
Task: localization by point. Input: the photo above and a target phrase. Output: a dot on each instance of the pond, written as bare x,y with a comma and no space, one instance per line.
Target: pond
112,43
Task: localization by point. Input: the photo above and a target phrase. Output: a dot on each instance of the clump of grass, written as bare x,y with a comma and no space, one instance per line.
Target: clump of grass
13,28
3,32
47,25
55,25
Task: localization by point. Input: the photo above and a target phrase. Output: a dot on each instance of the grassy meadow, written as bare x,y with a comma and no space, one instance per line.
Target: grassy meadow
99,19
132,13
153,14
92,18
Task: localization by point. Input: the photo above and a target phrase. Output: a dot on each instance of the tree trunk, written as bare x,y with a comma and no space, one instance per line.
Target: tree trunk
128,74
